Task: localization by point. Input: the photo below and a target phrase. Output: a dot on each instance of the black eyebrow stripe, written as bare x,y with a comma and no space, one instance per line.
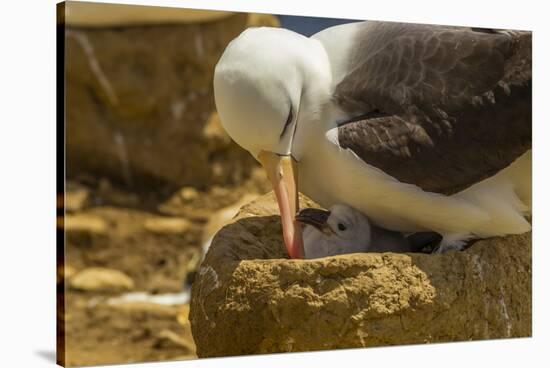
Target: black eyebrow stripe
288,121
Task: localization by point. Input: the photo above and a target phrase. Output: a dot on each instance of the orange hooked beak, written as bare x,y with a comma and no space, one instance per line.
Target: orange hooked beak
283,174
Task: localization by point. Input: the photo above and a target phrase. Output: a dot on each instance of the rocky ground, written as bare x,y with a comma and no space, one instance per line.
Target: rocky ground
119,245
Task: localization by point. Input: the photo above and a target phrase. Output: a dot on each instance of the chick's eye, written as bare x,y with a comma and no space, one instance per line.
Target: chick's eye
341,227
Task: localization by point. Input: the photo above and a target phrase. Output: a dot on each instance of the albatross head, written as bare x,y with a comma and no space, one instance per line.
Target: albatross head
269,85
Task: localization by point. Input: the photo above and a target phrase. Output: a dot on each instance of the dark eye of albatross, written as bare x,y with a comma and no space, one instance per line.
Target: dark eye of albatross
341,227
288,121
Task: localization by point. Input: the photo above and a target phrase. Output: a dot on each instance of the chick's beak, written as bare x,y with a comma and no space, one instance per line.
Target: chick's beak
317,218
283,174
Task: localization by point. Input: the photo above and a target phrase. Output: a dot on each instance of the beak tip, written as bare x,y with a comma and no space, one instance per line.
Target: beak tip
294,242
282,172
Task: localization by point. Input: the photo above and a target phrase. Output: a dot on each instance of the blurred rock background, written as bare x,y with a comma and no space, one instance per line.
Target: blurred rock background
140,109
150,174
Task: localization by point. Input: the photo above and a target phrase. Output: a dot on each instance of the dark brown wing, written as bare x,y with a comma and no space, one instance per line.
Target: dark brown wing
445,107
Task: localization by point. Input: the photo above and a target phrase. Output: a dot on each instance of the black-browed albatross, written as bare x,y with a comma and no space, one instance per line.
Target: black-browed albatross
419,127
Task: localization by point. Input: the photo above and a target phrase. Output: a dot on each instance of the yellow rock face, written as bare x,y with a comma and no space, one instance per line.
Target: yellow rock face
263,20
167,225
102,15
101,279
85,223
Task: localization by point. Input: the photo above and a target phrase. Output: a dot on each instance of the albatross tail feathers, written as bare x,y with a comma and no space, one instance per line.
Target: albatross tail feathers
506,197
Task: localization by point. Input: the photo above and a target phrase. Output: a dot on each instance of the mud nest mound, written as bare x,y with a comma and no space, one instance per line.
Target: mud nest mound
250,298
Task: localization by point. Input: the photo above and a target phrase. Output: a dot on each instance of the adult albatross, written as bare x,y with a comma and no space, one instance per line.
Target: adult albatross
420,127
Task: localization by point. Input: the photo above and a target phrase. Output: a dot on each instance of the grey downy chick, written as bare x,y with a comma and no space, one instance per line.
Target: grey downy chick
344,230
